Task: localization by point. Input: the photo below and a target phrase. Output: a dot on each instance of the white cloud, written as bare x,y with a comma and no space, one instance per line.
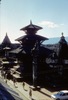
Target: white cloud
50,24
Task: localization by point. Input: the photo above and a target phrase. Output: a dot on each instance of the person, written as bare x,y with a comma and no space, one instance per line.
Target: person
6,77
23,85
30,93
2,73
14,80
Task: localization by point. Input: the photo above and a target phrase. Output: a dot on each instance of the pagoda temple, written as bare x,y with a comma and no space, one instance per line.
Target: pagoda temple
63,48
7,45
58,76
32,53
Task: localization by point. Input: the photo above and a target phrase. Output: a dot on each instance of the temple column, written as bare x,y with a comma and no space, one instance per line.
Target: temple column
35,54
34,73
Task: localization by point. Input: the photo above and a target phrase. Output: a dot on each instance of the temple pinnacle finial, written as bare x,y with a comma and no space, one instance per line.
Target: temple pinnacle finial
0,1
62,33
30,22
6,33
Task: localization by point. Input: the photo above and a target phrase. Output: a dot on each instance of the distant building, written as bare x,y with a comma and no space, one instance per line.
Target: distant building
6,45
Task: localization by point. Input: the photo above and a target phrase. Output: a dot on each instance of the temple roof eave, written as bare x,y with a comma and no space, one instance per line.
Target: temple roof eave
31,26
32,37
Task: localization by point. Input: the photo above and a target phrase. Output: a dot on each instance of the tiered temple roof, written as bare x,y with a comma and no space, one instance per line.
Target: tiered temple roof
30,31
6,40
28,41
32,37
31,28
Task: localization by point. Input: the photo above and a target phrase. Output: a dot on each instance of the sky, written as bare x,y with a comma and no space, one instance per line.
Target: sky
51,15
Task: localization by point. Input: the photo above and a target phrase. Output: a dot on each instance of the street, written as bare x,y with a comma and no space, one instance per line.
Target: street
8,93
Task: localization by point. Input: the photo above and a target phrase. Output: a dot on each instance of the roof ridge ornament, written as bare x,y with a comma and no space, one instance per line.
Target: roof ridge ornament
30,22
31,28
0,1
62,37
62,34
6,34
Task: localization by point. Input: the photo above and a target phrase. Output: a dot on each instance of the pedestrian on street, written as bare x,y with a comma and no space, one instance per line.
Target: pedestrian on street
6,77
30,93
14,81
23,85
6,81
2,73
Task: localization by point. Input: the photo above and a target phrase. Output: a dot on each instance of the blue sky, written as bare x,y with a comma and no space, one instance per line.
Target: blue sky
52,15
